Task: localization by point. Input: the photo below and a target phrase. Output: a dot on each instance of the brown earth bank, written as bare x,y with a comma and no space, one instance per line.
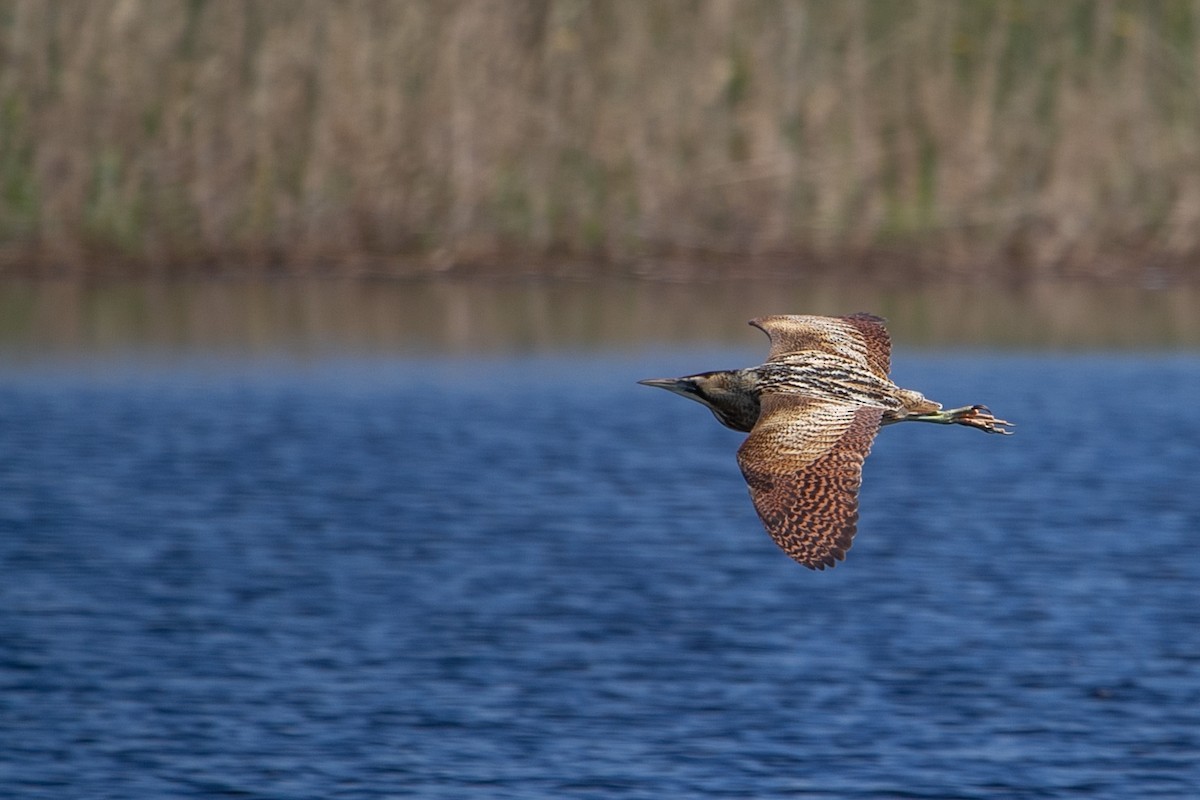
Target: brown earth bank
911,265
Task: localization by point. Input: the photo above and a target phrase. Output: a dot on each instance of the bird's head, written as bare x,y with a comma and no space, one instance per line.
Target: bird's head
731,397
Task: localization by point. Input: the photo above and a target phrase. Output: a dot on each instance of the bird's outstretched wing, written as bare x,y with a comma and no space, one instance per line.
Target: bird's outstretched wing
803,464
858,337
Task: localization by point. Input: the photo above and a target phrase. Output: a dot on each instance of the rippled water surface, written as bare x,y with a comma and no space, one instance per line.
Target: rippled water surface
532,578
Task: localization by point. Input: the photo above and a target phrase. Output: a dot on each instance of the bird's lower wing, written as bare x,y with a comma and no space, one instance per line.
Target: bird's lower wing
803,464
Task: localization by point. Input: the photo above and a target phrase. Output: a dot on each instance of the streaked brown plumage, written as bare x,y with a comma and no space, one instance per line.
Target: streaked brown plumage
812,411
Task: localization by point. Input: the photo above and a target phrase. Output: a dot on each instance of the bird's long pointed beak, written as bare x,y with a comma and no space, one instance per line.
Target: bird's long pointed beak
676,385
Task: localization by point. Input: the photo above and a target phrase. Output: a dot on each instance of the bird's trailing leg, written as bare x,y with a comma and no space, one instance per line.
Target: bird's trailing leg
972,416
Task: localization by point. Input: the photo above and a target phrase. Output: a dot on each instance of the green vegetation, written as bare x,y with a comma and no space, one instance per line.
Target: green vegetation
983,139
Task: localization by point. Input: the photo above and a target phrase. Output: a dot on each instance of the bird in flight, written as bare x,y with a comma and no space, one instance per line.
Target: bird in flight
812,411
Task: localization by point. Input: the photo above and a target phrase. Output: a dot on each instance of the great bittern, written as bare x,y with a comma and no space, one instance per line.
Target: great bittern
812,411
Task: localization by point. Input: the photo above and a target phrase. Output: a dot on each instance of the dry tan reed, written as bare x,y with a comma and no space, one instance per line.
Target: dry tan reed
980,139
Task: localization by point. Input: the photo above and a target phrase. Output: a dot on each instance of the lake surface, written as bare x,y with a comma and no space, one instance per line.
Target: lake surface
527,577
322,318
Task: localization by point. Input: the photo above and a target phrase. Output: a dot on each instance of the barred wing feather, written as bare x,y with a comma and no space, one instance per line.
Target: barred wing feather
861,338
803,464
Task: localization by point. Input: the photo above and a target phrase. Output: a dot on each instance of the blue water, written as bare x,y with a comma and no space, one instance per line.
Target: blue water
532,578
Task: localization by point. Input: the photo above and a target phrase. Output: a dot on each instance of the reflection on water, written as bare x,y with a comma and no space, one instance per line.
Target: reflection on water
330,316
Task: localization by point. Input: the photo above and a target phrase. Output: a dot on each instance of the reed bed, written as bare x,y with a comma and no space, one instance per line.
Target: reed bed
988,139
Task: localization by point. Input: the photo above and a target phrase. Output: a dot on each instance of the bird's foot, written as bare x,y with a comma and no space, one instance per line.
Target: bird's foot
977,417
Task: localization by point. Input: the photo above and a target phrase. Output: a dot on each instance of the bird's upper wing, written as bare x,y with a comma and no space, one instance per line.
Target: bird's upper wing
859,337
803,464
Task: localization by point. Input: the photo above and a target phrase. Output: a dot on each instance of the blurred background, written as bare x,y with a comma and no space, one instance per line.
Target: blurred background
980,140
881,144
323,467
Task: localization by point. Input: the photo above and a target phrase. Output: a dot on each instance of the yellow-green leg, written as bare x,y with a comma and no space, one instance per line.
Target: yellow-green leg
972,416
